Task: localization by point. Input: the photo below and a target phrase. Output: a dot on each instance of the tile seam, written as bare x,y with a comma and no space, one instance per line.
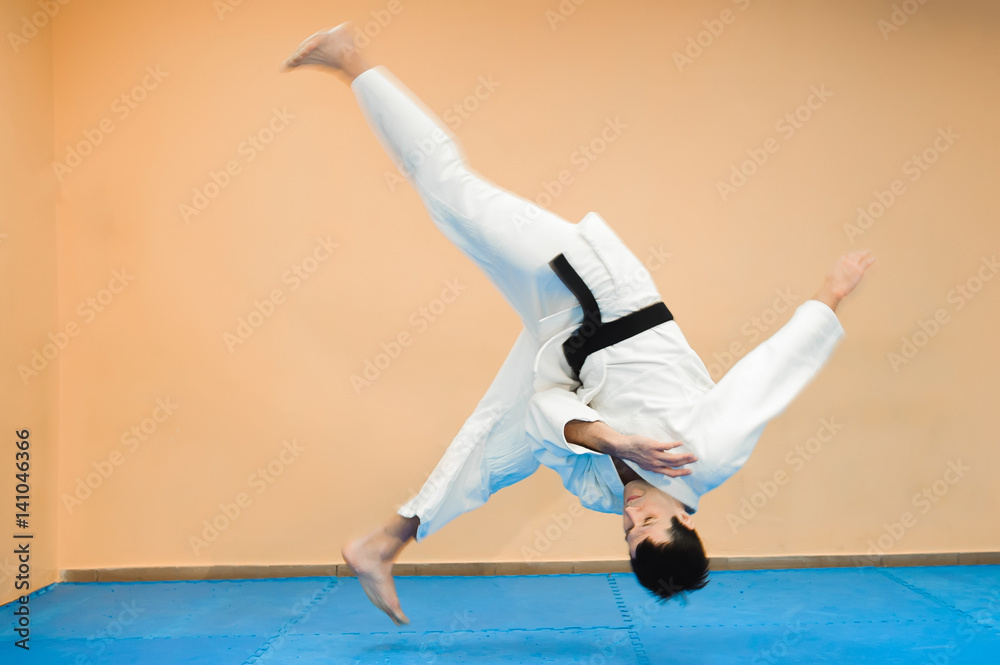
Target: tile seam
634,639
924,593
330,587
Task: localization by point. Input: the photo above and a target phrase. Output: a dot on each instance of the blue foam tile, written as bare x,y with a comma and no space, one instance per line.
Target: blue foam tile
155,651
907,642
96,611
974,590
912,615
783,596
473,603
486,647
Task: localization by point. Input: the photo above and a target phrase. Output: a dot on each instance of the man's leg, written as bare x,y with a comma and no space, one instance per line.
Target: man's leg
488,453
370,557
510,238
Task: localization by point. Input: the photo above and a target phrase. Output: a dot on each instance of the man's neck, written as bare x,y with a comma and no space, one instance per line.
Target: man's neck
625,472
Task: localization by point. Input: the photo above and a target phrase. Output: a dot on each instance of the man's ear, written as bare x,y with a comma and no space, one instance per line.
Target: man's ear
686,519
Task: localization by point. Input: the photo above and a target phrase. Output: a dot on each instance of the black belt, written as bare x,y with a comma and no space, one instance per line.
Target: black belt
593,335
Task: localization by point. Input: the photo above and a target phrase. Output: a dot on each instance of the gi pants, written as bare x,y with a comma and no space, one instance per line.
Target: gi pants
512,241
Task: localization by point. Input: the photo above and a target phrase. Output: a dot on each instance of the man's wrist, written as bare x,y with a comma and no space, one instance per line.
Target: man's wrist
826,296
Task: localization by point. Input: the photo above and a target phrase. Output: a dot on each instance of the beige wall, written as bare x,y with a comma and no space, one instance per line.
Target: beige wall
27,299
171,284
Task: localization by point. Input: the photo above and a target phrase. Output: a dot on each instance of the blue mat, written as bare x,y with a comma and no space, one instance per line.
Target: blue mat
933,615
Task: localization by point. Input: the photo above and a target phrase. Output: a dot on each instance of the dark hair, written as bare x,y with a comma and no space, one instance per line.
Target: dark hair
669,568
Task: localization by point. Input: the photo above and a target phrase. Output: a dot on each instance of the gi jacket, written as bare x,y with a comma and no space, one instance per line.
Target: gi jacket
652,384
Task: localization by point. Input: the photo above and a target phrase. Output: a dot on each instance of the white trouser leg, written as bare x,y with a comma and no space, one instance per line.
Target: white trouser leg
510,238
489,452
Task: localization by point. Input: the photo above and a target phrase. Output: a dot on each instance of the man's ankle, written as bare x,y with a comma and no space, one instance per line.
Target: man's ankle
354,68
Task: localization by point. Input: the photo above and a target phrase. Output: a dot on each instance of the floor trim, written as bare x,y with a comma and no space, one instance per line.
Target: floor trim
150,574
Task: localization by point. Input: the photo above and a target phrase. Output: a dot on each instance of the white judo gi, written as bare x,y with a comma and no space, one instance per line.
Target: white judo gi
652,384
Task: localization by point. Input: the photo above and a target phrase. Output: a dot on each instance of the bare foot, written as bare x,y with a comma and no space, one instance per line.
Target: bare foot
371,560
332,49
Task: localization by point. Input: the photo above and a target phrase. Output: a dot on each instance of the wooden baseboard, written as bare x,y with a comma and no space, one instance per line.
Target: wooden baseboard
188,573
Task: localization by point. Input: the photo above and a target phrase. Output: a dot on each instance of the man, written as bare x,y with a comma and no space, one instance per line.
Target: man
601,384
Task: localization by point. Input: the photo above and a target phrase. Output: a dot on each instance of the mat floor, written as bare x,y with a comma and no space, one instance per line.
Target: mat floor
933,615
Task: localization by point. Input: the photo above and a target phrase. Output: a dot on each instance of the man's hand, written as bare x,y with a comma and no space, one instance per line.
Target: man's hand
844,277
652,455
648,453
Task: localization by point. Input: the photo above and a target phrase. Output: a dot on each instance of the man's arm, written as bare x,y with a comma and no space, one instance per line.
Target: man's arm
648,453
729,419
597,436
564,426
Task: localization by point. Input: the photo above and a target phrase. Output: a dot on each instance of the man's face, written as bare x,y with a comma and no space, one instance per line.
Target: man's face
648,513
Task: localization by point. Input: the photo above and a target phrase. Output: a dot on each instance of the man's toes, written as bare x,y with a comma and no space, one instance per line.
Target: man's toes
292,61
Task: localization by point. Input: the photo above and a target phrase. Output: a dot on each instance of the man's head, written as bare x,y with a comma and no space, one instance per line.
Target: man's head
666,553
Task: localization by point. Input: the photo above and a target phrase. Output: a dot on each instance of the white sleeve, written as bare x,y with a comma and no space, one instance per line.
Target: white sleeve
763,383
549,411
